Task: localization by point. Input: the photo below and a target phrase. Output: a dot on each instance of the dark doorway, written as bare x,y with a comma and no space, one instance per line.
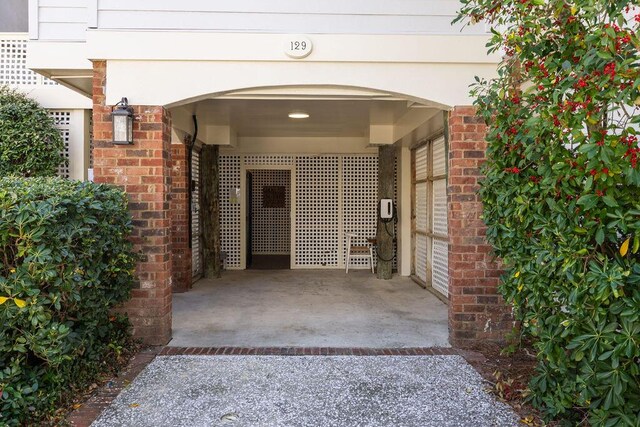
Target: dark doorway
268,219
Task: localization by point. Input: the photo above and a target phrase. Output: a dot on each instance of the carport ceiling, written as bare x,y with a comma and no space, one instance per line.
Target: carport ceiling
327,118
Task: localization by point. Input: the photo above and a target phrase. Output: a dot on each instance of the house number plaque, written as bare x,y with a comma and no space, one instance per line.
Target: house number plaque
298,47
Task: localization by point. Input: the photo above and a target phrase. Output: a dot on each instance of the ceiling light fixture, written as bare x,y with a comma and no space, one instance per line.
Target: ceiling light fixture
298,115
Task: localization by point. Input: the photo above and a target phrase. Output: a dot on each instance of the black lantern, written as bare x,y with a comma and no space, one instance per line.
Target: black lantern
122,118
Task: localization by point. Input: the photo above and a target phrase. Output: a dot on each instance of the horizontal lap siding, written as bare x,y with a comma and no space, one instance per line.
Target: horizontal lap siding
284,16
62,19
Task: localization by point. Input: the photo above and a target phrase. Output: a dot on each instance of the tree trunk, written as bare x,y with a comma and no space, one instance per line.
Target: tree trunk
386,229
211,211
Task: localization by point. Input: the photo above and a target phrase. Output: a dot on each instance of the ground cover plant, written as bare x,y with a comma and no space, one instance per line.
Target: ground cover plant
562,195
66,262
30,144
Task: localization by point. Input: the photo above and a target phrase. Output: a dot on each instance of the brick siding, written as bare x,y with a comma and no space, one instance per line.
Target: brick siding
476,311
181,252
143,170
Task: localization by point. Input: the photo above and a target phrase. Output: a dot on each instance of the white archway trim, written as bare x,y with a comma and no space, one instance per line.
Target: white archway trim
173,83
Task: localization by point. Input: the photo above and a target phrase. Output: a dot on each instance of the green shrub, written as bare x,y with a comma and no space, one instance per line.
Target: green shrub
66,262
30,144
562,195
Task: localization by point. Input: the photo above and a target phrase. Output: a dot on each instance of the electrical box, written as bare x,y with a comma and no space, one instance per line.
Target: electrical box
386,208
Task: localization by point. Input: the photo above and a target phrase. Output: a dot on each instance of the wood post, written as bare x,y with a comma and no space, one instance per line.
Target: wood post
386,229
211,211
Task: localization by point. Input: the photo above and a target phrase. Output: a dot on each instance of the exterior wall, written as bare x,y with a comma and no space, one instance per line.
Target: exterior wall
476,311
143,170
58,19
332,194
181,252
68,19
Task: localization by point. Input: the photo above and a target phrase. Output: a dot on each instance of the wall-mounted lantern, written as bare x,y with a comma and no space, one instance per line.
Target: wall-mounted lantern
122,119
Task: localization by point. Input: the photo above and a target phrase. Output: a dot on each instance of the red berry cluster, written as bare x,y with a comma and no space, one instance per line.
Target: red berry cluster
632,152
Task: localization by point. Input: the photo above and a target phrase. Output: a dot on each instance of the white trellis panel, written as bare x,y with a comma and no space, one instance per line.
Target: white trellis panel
439,157
230,208
440,267
271,227
360,201
62,121
420,257
440,207
334,194
421,162
196,249
317,215
268,160
421,206
13,63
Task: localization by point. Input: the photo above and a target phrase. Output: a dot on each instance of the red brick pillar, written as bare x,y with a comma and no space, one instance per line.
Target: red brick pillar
180,217
143,170
476,311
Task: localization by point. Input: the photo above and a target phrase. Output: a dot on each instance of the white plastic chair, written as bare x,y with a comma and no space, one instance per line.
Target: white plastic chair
354,251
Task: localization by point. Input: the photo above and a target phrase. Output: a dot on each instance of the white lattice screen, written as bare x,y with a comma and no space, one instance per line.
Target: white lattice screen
271,226
13,64
317,215
440,249
196,250
62,121
268,160
230,208
430,257
334,194
360,201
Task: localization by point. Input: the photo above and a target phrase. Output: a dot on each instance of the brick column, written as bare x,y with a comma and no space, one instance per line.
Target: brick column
476,311
180,217
143,170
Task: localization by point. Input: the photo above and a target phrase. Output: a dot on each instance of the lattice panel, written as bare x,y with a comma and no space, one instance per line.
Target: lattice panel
196,249
439,157
421,206
230,208
271,226
420,257
440,207
62,121
268,160
421,162
440,267
360,201
13,63
316,211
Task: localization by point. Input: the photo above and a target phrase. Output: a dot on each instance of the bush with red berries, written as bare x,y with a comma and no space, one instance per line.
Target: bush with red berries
562,195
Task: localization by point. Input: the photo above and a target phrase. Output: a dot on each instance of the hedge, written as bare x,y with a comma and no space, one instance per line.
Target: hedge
66,262
30,144
561,195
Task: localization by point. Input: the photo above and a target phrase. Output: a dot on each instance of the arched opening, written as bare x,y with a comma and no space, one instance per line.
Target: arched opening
324,142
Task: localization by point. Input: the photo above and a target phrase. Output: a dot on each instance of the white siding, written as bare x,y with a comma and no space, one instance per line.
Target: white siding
68,19
60,19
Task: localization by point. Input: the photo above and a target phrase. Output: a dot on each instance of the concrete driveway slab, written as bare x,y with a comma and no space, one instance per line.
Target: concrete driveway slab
307,391
308,308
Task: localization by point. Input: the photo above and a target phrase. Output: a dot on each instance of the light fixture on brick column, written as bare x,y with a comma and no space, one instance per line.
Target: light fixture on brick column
122,119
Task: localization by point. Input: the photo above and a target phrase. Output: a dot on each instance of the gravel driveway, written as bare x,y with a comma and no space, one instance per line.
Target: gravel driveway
307,391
